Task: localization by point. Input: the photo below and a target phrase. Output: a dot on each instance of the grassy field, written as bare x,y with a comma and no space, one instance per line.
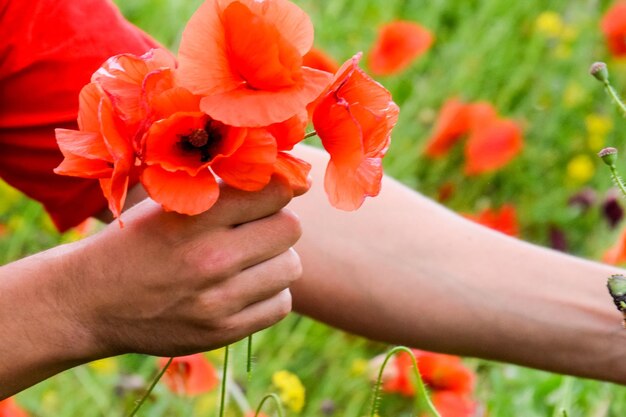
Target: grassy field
513,54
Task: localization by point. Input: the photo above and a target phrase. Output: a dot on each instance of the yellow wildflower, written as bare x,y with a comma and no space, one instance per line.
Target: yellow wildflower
358,367
549,24
573,95
105,366
290,390
580,169
598,126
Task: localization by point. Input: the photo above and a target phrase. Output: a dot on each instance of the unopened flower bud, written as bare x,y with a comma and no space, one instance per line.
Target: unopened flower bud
617,288
609,156
599,71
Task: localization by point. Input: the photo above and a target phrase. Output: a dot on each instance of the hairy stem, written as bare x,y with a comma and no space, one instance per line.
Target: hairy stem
277,402
422,394
150,388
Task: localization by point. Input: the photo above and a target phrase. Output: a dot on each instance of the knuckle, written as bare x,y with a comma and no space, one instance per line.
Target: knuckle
290,223
215,263
294,264
281,193
284,304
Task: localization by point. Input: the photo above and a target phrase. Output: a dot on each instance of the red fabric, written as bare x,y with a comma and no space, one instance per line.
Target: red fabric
48,51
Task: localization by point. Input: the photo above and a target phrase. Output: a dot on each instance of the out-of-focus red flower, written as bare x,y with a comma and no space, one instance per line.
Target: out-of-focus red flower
398,44
613,26
9,408
318,59
455,120
616,254
190,375
354,118
453,404
492,146
438,371
245,58
503,220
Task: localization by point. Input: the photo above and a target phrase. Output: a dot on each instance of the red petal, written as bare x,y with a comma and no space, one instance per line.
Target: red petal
258,52
259,108
179,191
251,166
88,145
76,166
318,59
294,170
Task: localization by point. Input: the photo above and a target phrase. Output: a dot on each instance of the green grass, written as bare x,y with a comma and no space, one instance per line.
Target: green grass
485,50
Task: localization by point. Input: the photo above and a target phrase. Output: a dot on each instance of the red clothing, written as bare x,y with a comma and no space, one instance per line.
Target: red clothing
48,51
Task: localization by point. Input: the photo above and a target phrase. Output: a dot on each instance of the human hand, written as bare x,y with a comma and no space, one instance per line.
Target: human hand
168,284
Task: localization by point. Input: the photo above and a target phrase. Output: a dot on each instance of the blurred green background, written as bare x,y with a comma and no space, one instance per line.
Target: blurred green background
530,59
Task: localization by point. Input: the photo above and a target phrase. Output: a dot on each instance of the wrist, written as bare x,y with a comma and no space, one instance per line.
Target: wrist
41,332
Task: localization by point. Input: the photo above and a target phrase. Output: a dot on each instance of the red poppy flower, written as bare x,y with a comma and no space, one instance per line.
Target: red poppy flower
245,58
187,151
616,254
438,371
453,404
101,149
492,146
397,45
9,408
455,120
190,375
613,26
354,118
318,59
122,78
503,220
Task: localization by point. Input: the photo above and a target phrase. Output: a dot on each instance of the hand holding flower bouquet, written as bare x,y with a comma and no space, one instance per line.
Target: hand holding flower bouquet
230,110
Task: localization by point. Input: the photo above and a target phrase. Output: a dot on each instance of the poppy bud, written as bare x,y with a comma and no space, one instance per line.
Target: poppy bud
609,156
599,71
617,289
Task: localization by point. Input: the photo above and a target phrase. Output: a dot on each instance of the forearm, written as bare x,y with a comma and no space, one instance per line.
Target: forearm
38,336
405,270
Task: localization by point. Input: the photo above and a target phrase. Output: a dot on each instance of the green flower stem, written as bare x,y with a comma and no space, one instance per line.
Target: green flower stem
152,385
614,96
277,402
224,377
249,359
420,384
309,135
617,180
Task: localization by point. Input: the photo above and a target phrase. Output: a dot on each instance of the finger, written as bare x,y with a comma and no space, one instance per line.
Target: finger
235,207
266,238
256,284
262,314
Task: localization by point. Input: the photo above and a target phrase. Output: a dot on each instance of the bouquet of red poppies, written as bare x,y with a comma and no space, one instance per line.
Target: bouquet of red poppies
230,109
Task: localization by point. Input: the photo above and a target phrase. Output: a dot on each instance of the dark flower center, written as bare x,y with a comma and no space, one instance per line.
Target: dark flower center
202,141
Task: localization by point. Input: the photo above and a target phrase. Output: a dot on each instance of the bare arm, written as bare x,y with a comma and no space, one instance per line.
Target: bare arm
165,284
405,270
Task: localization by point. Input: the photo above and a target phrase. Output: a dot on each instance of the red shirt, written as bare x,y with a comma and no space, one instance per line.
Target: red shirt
48,51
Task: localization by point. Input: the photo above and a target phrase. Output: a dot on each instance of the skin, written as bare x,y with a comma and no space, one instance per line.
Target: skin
401,269
165,284
405,270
